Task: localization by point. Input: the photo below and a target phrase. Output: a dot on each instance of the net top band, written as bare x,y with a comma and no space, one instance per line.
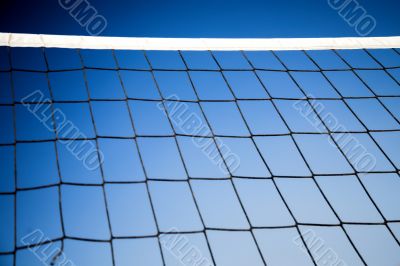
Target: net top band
195,44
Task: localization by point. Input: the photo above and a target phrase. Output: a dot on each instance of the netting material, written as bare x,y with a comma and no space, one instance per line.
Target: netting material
274,177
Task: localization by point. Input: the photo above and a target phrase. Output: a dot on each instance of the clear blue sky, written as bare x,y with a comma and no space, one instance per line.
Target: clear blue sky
207,18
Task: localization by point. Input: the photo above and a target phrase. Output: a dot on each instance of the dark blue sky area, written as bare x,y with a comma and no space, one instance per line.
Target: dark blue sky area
309,18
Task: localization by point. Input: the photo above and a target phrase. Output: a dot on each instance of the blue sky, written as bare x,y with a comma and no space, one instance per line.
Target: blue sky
293,171
271,165
221,18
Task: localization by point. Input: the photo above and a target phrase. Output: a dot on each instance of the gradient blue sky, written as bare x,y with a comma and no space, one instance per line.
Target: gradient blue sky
220,18
250,199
